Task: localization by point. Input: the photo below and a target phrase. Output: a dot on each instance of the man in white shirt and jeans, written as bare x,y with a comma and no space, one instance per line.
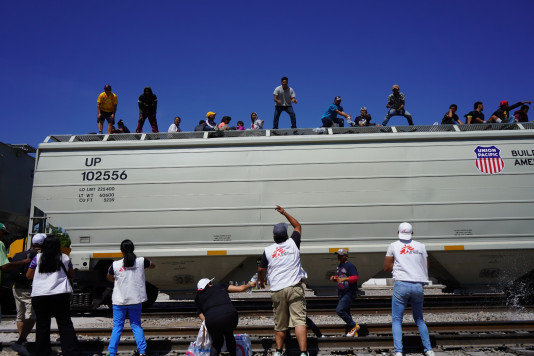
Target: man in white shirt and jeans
408,261
281,261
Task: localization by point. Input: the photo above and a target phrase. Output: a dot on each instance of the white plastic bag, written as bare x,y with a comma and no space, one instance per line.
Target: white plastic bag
202,345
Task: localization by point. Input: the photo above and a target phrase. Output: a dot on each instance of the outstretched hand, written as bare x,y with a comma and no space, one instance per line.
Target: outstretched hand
279,209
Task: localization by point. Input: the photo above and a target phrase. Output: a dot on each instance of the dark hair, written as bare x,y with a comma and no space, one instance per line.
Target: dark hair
240,123
453,106
284,78
475,105
202,122
107,86
149,90
226,119
127,248
523,107
50,255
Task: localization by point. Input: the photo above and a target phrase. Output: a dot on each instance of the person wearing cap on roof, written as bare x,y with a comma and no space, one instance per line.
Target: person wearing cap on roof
347,287
129,293
330,118
215,308
502,114
210,121
408,261
106,106
280,262
396,103
284,96
148,106
22,289
363,120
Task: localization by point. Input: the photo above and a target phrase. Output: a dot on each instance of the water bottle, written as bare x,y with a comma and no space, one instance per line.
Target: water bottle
252,280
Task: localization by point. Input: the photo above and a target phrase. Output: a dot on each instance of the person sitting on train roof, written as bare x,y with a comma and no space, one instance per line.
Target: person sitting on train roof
121,128
450,117
284,96
175,126
106,106
201,126
225,123
396,103
148,105
257,124
521,114
330,118
240,126
363,120
476,116
501,115
210,120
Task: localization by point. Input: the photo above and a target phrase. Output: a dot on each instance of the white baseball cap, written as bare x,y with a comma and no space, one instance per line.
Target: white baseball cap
38,239
203,283
405,231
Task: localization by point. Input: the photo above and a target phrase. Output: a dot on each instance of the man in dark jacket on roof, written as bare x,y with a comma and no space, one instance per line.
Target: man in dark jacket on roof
148,105
502,115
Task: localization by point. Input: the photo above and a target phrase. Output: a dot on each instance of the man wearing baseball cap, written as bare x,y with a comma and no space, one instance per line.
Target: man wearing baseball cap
210,120
281,263
502,114
22,289
330,118
396,102
347,287
408,261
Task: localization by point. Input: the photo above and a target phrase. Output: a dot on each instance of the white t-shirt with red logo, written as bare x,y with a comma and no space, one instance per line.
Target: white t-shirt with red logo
283,264
410,261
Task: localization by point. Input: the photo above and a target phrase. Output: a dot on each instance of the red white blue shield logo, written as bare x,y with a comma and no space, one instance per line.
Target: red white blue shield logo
489,159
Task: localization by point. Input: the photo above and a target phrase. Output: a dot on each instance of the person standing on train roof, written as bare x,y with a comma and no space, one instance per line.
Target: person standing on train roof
476,116
330,118
347,287
502,114
129,293
408,260
148,106
284,96
106,106
396,104
281,263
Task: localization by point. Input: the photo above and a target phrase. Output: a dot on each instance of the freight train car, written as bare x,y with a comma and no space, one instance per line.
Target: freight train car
201,204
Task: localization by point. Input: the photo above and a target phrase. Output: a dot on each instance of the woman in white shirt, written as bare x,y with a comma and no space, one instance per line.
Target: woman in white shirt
129,292
52,272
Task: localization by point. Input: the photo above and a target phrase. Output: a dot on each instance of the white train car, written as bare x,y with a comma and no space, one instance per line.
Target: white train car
199,204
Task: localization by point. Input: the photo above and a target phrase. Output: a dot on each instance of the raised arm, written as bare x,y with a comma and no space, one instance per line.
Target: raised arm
296,225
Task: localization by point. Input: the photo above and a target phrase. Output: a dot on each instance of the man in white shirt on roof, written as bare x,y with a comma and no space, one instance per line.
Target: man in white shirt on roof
408,261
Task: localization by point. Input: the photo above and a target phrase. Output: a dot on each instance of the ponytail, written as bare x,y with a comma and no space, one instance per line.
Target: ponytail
127,248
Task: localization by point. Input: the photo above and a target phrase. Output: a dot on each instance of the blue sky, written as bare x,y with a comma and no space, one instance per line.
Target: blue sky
229,56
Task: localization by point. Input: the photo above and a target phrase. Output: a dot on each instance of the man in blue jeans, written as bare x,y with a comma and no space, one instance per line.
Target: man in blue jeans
284,96
408,261
396,103
347,286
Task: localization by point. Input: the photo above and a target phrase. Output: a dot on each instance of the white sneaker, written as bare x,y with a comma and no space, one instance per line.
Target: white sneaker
429,353
21,349
398,353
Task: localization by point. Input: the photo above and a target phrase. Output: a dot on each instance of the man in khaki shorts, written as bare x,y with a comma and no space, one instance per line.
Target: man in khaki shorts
22,288
281,263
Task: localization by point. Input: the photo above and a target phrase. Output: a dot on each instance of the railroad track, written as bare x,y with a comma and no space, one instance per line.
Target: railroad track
377,336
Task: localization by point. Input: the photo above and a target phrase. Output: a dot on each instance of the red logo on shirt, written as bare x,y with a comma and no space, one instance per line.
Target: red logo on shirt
278,252
406,249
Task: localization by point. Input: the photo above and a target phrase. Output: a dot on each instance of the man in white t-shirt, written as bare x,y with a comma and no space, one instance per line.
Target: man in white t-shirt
284,98
408,261
281,263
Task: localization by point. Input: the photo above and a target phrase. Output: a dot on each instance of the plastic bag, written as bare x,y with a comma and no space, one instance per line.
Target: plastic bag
202,345
194,350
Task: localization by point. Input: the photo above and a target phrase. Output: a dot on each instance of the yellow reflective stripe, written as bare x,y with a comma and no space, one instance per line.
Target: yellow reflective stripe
217,253
334,249
454,248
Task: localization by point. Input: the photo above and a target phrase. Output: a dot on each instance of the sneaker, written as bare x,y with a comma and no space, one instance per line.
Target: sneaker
398,353
429,353
20,348
353,331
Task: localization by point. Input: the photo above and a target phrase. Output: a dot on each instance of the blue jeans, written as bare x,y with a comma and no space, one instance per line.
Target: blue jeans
278,110
343,310
119,315
393,112
404,292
